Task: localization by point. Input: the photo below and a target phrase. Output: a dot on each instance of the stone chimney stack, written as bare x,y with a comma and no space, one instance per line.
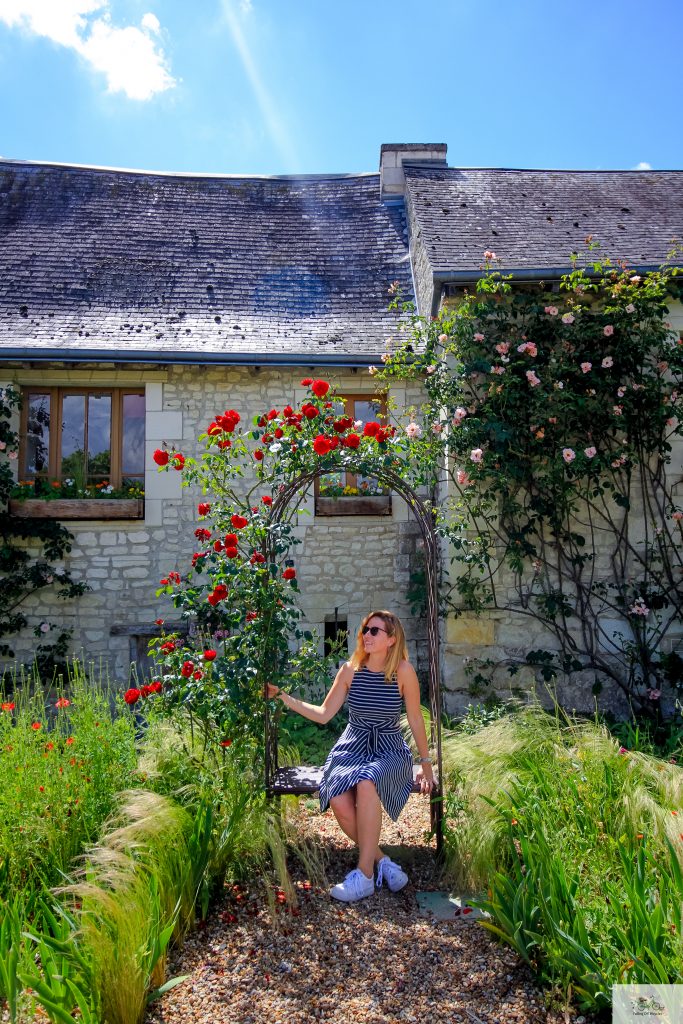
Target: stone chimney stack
393,157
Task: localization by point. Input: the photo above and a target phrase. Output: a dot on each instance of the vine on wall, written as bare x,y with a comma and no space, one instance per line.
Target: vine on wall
554,417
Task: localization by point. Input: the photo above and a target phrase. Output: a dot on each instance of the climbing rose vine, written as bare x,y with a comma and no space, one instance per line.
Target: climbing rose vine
555,416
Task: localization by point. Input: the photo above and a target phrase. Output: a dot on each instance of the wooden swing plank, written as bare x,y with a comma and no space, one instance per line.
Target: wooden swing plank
298,780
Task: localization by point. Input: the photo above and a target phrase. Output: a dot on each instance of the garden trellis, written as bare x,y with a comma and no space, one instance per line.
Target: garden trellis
238,592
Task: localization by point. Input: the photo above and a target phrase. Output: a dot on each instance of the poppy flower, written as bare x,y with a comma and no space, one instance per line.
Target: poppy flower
203,508
62,703
239,522
160,457
320,388
36,726
132,696
8,706
289,574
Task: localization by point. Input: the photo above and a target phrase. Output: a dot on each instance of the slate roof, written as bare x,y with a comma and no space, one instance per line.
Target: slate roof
534,219
127,263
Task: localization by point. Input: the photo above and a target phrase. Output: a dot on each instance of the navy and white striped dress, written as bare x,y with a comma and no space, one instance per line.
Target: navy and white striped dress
372,746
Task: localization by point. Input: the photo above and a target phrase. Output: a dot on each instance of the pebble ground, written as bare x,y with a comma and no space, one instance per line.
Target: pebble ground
263,958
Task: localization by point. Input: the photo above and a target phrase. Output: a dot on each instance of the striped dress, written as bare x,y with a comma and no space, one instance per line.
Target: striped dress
371,746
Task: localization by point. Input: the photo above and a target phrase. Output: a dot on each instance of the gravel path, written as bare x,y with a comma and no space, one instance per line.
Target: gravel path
372,962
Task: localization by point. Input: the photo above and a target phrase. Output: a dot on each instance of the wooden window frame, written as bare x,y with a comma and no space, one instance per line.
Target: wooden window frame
370,504
57,395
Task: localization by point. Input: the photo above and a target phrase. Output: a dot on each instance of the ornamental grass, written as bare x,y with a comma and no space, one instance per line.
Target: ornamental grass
578,845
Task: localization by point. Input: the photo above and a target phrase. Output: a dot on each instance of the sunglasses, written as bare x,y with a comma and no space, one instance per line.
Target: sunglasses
373,630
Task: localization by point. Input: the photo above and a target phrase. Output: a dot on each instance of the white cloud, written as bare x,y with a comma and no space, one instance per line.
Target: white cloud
129,57
643,166
245,6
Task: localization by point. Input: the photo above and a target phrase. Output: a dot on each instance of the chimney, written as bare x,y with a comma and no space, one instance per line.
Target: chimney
393,157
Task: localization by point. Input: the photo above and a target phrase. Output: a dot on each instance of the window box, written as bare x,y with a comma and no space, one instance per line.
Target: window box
356,505
79,508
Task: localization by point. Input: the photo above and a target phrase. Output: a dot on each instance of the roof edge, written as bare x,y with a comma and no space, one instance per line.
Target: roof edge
61,355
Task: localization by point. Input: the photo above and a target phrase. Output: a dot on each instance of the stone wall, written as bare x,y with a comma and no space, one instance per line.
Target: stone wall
351,563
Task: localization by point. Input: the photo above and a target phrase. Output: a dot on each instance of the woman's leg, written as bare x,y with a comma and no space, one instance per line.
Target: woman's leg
344,810
368,824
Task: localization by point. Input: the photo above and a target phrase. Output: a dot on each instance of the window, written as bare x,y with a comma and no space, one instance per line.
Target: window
83,437
335,485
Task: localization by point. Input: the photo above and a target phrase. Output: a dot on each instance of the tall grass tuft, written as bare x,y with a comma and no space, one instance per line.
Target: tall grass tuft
579,844
135,895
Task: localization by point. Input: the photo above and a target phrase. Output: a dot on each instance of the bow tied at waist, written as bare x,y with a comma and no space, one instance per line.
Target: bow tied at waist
371,732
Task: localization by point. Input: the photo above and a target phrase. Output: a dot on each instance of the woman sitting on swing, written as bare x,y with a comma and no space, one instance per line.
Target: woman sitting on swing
370,766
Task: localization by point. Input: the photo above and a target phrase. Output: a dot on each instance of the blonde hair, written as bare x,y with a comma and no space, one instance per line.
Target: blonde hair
398,652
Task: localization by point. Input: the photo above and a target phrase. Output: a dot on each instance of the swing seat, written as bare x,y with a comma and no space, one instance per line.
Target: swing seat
301,780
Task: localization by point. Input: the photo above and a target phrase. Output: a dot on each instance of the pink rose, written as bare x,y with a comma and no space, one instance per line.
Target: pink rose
503,347
436,428
414,430
630,308
677,516
568,318
490,256
617,410
478,336
607,362
534,381
590,453
476,455
621,391
462,478
568,454
498,370
443,338
608,330
586,367
551,310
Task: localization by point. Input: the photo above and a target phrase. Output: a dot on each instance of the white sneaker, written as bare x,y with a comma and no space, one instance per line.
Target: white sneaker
356,886
392,874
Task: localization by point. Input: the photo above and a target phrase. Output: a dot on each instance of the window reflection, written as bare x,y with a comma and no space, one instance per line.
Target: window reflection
37,435
133,448
73,439
99,438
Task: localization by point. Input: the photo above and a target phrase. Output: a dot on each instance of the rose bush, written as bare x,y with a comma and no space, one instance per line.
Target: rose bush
238,594
556,417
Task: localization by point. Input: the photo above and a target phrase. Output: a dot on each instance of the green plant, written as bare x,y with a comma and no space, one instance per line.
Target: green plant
554,418
28,549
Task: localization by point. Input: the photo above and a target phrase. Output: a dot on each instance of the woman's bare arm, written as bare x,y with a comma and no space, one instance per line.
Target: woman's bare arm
319,713
410,689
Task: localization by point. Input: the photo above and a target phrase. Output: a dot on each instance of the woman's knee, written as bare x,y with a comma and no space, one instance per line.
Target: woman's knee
366,788
344,803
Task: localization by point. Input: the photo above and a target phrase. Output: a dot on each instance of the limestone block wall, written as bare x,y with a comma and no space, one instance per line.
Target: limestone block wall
499,635
351,563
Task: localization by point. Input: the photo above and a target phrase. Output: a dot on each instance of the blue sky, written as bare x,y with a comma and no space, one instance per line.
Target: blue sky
313,86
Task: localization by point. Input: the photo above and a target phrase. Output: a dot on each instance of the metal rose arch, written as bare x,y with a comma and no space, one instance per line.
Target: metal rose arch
296,780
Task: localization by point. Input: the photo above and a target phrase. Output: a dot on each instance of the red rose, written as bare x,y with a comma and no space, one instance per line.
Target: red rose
320,388
221,590
202,534
257,558
156,686
168,647
272,414
231,551
230,540
258,455
278,433
239,522
210,655
178,460
289,574
213,599
217,546
370,429
203,508
333,442
287,411
341,425
197,674
227,743
213,429
306,381
351,441
382,435
145,691
309,411
160,457
267,500
224,444
187,669
321,445
132,696
158,622
251,616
